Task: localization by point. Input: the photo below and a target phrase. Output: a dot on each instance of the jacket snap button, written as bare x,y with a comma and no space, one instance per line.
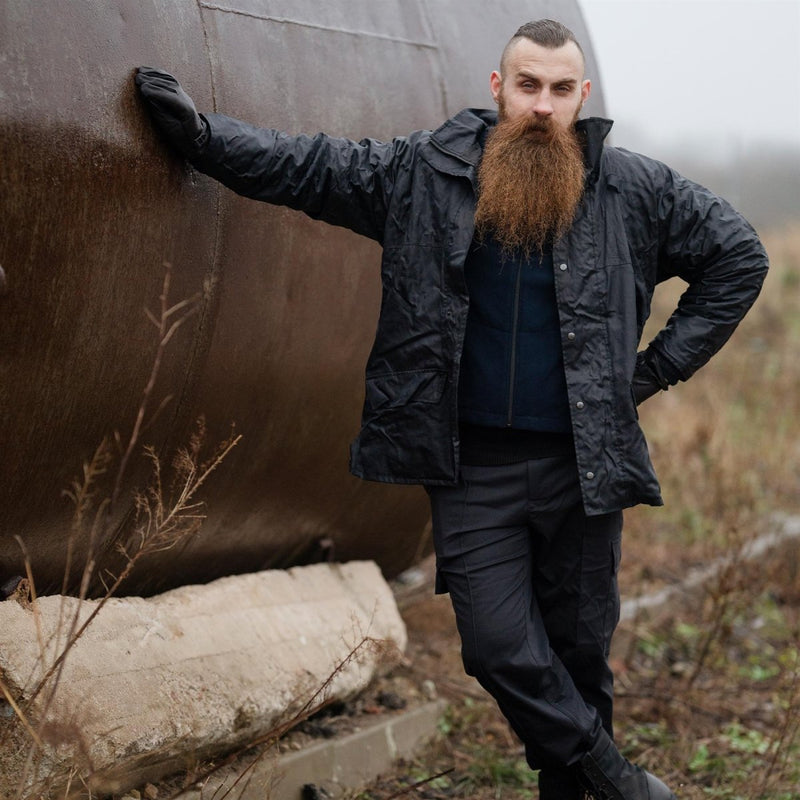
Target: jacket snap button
562,267
580,404
570,336
590,475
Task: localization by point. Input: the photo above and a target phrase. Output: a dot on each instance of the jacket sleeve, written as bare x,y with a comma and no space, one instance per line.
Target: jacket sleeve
335,180
704,241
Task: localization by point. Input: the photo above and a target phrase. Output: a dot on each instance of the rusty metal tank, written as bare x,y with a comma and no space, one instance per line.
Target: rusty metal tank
93,204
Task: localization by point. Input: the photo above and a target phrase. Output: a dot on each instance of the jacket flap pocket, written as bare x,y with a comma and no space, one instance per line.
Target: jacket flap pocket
401,388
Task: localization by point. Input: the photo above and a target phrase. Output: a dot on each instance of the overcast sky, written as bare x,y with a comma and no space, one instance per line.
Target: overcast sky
679,71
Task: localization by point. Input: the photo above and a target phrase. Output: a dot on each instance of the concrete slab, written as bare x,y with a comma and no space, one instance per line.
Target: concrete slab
344,763
157,683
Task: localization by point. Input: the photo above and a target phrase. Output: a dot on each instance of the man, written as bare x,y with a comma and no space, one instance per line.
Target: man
520,256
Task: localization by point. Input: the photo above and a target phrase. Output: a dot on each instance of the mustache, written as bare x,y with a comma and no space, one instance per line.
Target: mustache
541,129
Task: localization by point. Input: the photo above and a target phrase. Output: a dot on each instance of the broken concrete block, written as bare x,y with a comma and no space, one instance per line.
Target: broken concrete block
157,684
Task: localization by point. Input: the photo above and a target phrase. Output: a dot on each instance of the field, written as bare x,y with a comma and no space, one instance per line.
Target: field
708,690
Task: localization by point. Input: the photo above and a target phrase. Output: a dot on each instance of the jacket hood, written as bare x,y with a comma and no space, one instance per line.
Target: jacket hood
464,136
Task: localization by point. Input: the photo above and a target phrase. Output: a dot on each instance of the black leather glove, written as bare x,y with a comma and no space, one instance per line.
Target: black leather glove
173,111
651,376
644,382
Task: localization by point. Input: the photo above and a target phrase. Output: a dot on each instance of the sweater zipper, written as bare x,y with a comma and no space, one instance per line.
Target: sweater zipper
513,366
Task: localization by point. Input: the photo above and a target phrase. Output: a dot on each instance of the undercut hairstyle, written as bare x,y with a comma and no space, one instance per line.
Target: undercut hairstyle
544,32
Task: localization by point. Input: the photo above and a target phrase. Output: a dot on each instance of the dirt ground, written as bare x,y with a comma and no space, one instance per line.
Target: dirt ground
708,696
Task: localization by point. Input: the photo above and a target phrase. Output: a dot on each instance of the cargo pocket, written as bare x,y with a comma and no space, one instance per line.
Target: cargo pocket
614,605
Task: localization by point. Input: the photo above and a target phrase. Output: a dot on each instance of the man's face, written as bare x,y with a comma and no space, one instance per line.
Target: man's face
542,83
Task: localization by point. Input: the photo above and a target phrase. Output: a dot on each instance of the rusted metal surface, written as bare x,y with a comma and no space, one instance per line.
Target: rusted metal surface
93,204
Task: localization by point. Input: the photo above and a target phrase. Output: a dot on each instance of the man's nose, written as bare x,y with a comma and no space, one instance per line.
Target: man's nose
543,106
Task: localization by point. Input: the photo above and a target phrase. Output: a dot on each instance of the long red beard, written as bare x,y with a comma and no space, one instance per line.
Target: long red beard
530,183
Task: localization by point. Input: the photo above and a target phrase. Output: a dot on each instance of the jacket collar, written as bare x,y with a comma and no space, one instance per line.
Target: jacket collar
592,132
464,135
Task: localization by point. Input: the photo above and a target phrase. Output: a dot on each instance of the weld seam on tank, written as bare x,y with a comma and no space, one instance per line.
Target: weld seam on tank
439,58
207,49
287,21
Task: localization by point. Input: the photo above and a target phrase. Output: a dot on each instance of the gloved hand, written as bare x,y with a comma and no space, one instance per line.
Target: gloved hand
644,384
651,376
173,111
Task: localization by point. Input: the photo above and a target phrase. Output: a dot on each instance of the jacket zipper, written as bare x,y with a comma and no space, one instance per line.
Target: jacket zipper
513,366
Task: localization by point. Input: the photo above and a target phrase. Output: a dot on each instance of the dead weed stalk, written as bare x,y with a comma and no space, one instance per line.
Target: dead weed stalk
165,516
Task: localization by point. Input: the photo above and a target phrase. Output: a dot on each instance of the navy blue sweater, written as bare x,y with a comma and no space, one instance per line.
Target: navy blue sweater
512,372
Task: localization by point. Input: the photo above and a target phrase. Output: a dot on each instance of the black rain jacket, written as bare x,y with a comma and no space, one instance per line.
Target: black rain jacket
639,223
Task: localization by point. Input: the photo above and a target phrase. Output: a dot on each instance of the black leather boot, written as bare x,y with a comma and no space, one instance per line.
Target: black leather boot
559,784
607,775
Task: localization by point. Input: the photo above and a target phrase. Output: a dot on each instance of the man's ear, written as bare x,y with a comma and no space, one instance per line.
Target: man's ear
495,84
586,90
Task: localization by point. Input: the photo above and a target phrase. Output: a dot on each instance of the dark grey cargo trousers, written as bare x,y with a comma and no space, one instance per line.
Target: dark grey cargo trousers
533,582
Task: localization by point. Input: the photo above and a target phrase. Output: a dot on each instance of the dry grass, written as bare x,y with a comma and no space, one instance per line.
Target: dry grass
726,444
